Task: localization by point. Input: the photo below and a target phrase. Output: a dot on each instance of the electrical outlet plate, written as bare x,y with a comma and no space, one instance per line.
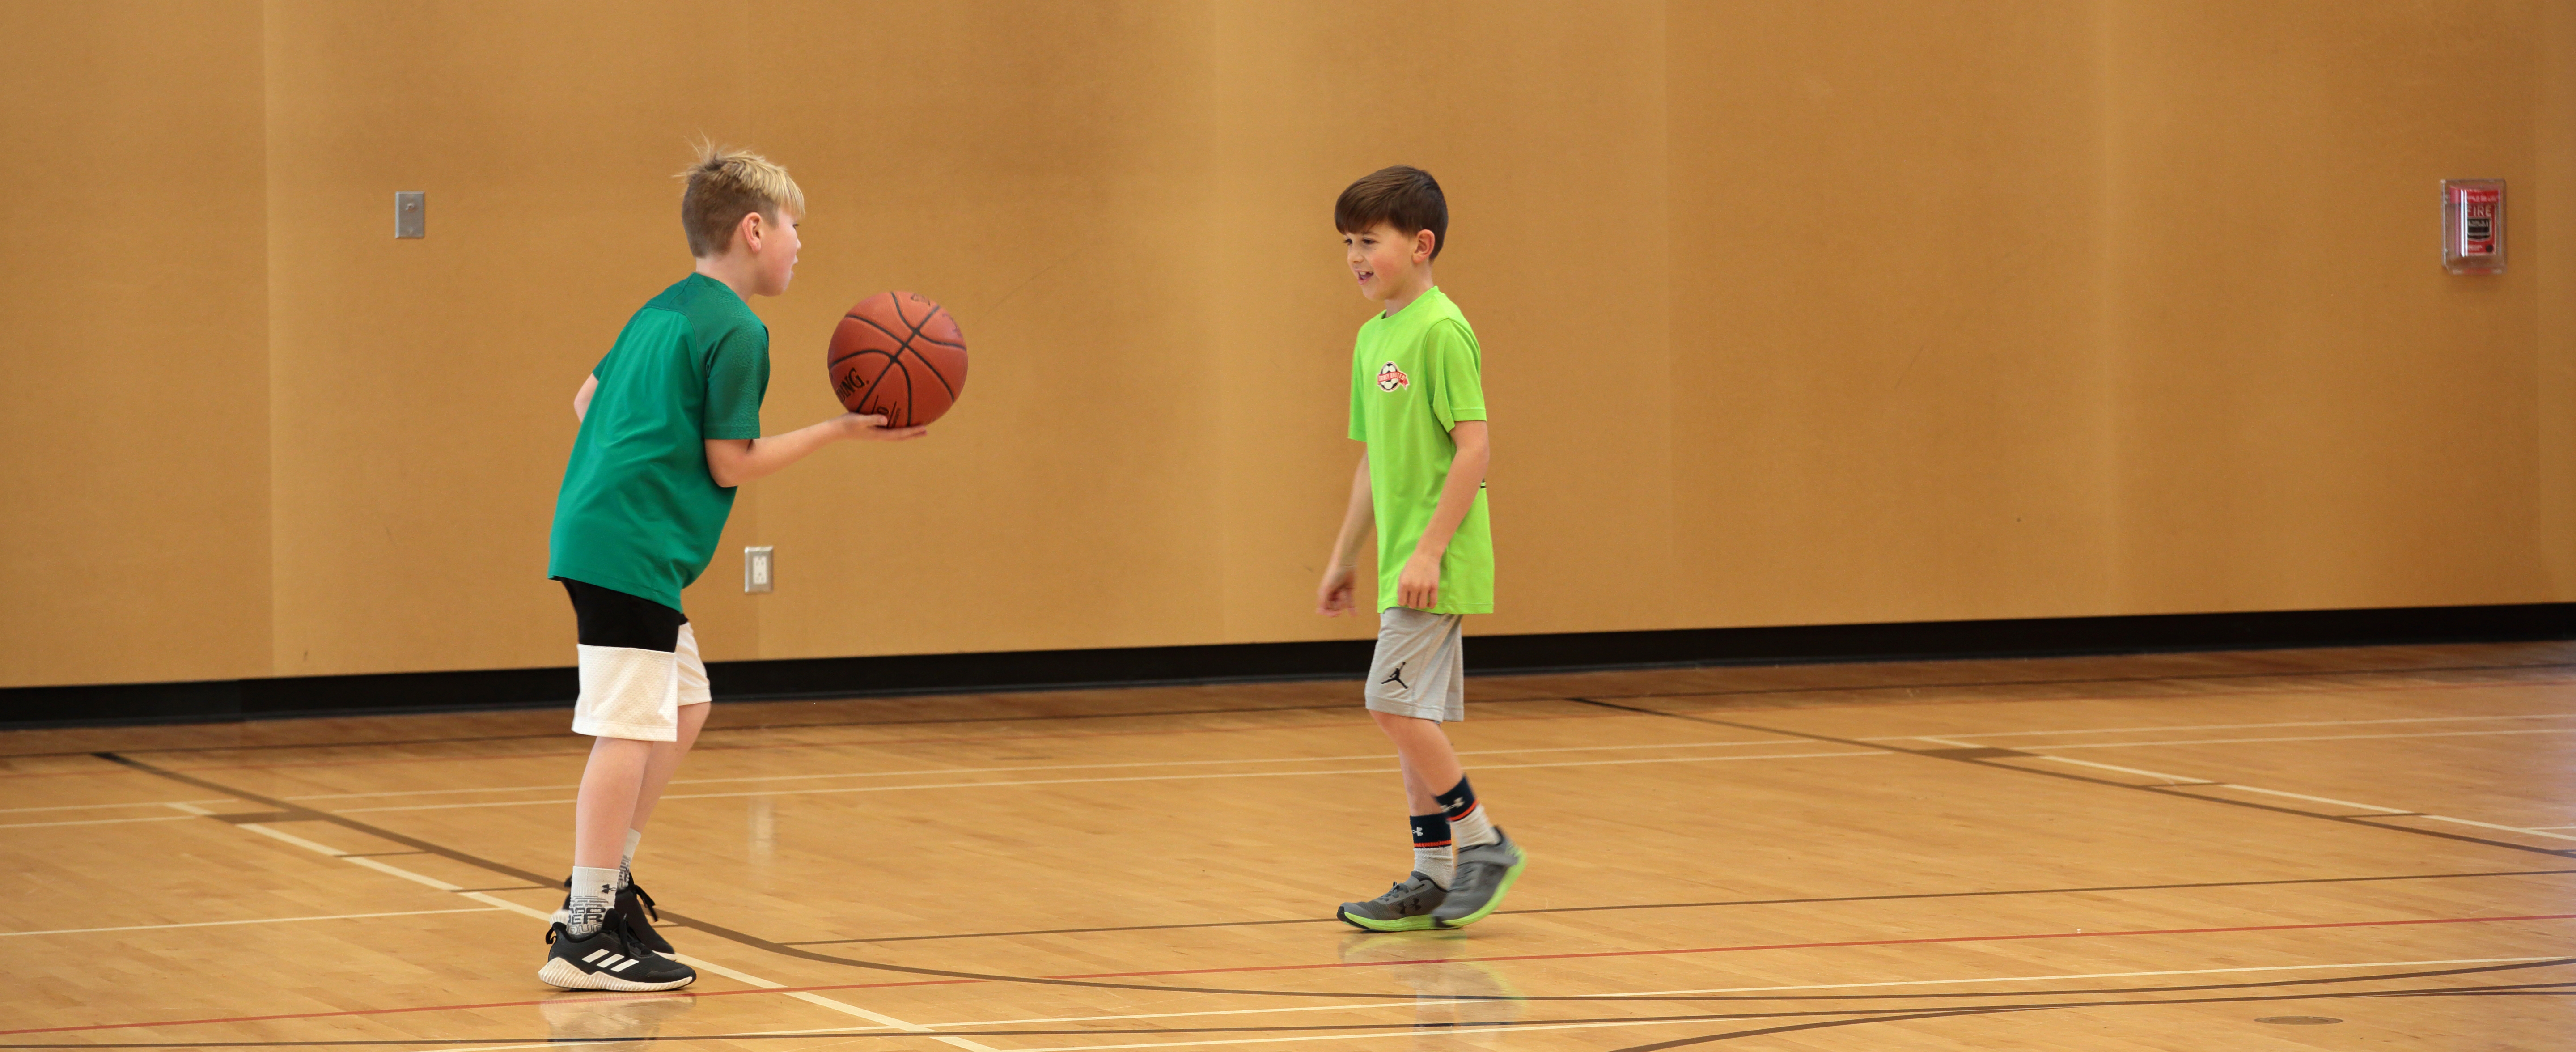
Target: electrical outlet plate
759,569
411,208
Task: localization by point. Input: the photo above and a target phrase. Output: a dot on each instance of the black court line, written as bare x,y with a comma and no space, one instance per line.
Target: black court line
1732,902
783,949
1748,692
561,734
2169,792
1845,1017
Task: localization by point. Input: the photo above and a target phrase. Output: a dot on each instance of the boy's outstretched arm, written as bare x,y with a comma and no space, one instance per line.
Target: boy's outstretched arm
734,461
1419,585
1333,595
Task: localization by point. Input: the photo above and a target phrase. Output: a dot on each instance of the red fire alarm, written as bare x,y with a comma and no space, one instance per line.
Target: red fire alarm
2473,226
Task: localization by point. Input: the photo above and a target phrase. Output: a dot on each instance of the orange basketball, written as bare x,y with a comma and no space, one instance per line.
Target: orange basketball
899,354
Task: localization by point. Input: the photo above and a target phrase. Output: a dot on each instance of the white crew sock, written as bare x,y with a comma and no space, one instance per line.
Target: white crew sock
1473,829
626,863
1438,863
593,892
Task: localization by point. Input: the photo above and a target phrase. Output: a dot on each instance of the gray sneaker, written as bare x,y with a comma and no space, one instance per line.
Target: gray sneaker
1485,872
1406,906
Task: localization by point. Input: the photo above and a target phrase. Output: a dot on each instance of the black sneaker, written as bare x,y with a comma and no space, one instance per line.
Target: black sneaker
632,904
610,959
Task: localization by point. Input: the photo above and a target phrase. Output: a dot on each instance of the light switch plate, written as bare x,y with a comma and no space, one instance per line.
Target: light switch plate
759,569
410,213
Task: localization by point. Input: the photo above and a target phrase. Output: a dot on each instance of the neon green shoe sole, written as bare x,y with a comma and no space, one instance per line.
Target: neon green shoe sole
1417,922
1479,892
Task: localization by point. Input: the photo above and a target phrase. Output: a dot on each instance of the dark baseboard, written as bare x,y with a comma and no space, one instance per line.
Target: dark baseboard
272,698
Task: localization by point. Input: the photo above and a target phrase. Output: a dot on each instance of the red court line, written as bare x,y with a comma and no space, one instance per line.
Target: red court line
1826,945
1300,967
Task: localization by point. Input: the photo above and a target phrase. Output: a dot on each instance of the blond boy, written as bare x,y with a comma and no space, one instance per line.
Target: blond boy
670,424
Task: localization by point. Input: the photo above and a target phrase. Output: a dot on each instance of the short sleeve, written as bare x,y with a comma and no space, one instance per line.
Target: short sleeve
737,378
1457,374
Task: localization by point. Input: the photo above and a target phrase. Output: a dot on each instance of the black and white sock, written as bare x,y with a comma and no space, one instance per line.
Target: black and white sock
593,893
1468,825
1432,856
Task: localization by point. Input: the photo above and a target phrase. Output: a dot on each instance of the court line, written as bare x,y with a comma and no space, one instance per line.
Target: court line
762,986
96,822
1854,688
1358,1031
694,962
96,807
2176,780
259,920
1045,767
1809,900
881,1019
705,745
1361,1005
2384,811
1828,945
2306,738
763,944
2223,726
1096,781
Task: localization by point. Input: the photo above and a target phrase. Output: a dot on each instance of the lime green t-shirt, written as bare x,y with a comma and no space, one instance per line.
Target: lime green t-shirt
1414,376
638,512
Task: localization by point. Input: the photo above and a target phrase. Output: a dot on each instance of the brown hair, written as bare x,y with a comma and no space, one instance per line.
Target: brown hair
726,185
1401,196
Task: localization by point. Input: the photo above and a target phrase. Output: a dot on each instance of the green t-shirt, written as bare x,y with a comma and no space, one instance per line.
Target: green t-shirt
638,512
1414,376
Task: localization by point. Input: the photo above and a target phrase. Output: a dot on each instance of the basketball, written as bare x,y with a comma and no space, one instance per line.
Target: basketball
900,355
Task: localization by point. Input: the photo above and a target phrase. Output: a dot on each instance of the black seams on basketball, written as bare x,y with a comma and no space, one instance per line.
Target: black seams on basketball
900,355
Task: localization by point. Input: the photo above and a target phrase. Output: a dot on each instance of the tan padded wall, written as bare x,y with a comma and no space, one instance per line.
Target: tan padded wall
1793,313
133,344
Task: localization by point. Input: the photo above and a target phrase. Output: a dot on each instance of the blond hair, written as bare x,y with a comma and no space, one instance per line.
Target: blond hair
725,185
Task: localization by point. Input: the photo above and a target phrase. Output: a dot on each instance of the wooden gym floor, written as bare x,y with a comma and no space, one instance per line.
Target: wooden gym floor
2131,853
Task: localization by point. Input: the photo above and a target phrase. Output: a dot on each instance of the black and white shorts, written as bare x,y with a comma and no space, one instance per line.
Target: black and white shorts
1420,669
639,664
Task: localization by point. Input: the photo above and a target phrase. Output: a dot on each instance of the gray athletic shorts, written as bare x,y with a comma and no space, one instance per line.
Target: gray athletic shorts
1420,669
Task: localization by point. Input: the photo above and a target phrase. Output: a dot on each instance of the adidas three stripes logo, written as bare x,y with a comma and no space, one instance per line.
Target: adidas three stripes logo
616,962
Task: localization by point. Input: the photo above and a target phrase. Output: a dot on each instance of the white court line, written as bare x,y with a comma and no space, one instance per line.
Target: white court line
1050,767
2178,780
95,807
1093,781
2310,738
2228,726
505,904
96,822
2090,975
2319,799
261,920
2170,779
884,1021
291,838
1382,1005
1741,989
2490,825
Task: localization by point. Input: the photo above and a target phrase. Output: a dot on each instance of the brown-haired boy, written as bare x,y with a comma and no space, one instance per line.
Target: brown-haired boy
670,424
1418,400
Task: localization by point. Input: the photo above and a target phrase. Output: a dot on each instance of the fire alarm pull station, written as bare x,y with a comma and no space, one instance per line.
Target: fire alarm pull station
2473,226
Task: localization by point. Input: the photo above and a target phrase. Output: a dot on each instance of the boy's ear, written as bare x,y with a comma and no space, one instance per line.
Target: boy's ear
749,231
1423,242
